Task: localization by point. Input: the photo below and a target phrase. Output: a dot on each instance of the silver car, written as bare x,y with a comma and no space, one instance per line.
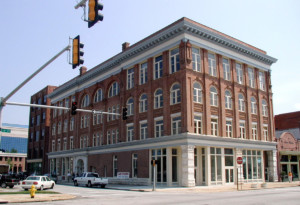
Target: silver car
40,182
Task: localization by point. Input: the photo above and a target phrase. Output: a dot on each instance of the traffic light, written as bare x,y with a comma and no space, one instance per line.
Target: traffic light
74,107
124,115
94,14
77,52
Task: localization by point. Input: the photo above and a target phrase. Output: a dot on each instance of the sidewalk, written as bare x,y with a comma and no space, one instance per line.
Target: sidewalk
12,198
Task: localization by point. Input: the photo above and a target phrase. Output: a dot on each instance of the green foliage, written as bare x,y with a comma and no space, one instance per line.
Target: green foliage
13,150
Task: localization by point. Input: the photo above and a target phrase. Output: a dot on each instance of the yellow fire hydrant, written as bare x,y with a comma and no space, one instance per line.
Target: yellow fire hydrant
32,191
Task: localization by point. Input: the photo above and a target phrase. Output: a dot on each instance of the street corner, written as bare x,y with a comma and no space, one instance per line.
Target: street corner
24,198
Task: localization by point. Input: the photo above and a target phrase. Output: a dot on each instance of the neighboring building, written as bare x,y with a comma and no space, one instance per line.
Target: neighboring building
14,137
287,127
38,140
13,148
197,99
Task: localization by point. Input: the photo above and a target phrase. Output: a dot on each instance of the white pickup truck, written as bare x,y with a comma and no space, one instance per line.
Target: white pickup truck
90,179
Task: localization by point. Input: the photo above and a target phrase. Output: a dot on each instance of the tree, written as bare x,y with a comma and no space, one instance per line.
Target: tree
13,150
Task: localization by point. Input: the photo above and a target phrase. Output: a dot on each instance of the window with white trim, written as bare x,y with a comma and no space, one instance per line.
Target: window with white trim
71,143
108,139
66,104
241,103
264,108
176,125
85,101
115,166
226,69
114,90
130,78
213,96
212,67
197,98
143,130
228,100
72,124
134,165
143,73
53,146
175,94
196,60
242,130
198,124
159,128
251,77
143,103
262,80
65,125
130,133
174,60
254,131
53,129
130,107
229,128
214,126
158,67
158,99
253,105
239,73
98,96
265,132
59,127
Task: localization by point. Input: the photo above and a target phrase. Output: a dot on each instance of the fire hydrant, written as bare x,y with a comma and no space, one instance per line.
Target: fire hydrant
32,191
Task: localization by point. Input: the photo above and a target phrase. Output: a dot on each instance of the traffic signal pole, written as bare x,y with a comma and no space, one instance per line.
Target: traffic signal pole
4,100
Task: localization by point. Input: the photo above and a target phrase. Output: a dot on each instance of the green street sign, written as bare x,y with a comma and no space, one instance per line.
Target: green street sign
6,130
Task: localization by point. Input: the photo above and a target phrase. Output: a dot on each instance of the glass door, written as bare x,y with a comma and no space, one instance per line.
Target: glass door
229,175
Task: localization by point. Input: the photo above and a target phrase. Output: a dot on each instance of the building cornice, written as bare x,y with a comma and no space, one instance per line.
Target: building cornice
183,25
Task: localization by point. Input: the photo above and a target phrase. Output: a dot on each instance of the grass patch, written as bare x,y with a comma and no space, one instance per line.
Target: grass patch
27,192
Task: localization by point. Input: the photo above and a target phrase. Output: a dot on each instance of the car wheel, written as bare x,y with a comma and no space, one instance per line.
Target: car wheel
89,184
26,189
52,186
103,186
75,183
42,188
11,186
3,185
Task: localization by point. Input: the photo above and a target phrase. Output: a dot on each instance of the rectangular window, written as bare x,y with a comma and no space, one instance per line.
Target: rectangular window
115,166
265,133
176,125
196,60
130,78
53,145
134,165
143,73
262,81
239,73
71,143
198,124
158,67
129,133
216,165
228,128
212,64
252,165
254,131
242,130
174,60
108,137
72,124
226,69
143,131
159,128
251,77
214,127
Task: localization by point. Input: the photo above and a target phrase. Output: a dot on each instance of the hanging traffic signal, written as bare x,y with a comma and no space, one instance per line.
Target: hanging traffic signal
77,52
74,107
124,115
94,14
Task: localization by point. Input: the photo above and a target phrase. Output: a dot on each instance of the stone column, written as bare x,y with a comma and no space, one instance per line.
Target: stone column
187,166
272,161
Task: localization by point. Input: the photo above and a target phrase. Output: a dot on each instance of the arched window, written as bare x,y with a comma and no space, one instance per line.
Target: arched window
264,108
130,106
143,103
197,93
253,105
228,100
175,94
158,99
213,96
241,103
85,101
98,96
113,90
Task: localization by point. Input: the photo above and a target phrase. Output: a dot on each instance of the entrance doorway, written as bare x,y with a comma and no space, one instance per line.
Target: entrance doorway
229,175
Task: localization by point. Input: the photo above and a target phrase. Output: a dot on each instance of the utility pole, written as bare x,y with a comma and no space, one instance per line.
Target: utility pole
4,100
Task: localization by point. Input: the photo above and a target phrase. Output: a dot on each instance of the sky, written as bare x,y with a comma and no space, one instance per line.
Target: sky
33,31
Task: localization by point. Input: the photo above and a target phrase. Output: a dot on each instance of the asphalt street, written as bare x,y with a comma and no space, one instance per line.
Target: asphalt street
90,196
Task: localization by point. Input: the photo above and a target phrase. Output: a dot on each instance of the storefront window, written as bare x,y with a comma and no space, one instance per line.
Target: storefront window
252,165
294,159
216,165
284,158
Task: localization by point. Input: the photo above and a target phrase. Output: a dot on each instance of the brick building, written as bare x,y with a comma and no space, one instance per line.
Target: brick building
197,99
287,129
39,123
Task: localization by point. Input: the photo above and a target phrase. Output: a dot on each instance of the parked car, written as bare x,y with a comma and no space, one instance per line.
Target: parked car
22,175
40,182
8,181
52,177
90,179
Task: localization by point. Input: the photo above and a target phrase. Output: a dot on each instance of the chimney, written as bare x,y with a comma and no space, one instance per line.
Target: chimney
82,70
125,46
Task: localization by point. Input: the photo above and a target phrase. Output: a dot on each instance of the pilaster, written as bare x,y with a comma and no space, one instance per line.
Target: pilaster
187,166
